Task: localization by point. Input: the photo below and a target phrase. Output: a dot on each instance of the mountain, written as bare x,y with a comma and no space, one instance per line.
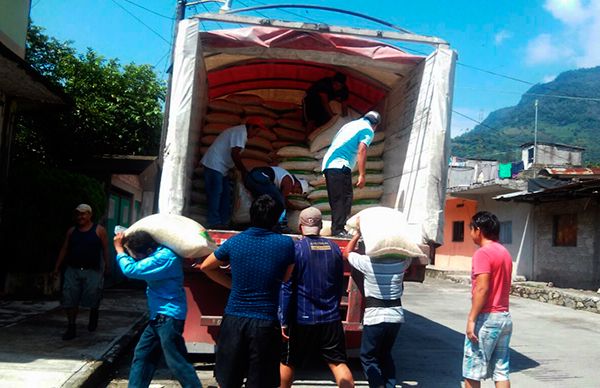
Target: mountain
571,121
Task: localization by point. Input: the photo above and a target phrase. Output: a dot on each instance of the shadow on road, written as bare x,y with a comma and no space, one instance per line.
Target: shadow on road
430,354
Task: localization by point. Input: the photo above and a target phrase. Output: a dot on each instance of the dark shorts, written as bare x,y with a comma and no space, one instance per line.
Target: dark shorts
82,287
306,341
248,347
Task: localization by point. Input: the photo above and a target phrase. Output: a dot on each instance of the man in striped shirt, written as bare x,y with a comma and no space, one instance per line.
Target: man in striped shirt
383,312
309,305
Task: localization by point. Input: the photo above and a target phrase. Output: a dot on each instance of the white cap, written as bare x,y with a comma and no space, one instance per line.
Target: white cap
83,207
373,117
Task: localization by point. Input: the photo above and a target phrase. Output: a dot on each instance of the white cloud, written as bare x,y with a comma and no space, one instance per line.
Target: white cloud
567,11
548,78
543,49
502,36
579,36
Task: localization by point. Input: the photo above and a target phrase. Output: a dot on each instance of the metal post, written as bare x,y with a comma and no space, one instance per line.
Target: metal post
535,150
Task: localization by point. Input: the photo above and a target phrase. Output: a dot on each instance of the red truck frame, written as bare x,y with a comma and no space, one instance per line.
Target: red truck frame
207,300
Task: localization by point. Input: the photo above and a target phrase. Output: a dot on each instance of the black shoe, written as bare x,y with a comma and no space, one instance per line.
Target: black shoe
70,333
93,323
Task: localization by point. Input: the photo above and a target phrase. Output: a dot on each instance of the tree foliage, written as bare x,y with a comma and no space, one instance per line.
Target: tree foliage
115,109
569,121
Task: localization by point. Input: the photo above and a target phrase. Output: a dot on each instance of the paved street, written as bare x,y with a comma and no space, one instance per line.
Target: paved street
552,346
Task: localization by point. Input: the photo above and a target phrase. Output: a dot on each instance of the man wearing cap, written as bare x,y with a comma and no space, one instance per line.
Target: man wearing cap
309,308
349,145
84,254
222,155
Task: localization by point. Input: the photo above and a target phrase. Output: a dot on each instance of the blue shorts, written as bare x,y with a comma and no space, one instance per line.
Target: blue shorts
82,287
491,355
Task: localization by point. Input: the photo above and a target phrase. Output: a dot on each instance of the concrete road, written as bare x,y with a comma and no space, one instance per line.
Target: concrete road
552,346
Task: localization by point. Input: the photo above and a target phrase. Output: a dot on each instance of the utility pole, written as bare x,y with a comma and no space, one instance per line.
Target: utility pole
535,149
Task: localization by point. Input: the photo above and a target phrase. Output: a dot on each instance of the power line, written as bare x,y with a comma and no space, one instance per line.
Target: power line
292,13
149,10
142,22
472,119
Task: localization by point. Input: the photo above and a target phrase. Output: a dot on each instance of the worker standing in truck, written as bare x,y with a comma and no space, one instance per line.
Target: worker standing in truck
278,183
315,104
349,145
222,155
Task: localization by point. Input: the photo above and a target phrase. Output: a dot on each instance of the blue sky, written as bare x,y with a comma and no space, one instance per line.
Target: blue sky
532,41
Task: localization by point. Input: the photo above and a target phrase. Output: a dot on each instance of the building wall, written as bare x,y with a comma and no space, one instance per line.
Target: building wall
550,155
574,267
14,19
521,215
453,255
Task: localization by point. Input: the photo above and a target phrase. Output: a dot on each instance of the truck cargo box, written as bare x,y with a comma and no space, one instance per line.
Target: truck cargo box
220,77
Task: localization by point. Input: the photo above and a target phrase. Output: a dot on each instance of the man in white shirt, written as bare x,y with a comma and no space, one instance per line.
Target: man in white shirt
278,183
222,155
383,312
348,145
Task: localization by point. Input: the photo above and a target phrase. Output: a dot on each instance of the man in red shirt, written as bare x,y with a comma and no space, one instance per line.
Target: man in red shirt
489,326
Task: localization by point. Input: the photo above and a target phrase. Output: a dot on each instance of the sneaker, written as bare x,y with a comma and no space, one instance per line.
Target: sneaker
69,334
93,323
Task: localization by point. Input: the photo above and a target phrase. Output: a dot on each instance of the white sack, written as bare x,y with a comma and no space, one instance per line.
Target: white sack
385,233
183,235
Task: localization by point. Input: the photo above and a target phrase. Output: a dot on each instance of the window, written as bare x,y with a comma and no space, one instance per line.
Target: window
530,155
564,230
458,231
506,232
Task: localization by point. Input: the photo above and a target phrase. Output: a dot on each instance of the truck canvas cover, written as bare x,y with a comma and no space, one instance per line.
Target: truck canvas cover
413,93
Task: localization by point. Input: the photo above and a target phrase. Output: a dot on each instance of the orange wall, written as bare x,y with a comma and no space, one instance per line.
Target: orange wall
456,255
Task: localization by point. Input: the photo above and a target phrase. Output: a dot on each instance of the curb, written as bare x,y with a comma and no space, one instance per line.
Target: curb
95,372
574,299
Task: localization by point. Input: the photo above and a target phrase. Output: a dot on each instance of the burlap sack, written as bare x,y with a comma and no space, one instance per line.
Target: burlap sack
181,234
385,233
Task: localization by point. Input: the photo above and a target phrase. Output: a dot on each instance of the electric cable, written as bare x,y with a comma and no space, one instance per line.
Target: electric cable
149,10
142,22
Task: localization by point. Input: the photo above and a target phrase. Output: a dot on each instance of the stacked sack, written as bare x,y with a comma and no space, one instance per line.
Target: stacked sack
285,128
197,209
363,198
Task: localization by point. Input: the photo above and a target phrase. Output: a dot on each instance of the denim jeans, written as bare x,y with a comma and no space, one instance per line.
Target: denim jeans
162,333
376,354
218,196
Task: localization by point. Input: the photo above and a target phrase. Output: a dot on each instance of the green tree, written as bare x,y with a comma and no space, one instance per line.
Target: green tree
115,109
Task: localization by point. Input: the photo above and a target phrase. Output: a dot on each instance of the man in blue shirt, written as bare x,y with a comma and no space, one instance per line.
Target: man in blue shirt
309,308
250,336
162,269
348,145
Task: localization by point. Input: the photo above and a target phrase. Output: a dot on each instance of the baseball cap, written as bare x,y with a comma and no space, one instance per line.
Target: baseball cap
83,207
256,121
373,117
311,221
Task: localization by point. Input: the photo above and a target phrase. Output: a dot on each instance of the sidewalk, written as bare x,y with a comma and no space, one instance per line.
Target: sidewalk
32,353
585,300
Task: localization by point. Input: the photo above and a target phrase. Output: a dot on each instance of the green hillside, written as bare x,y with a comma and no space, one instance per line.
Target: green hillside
560,120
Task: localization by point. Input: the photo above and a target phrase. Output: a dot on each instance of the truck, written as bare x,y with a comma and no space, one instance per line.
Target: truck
277,61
